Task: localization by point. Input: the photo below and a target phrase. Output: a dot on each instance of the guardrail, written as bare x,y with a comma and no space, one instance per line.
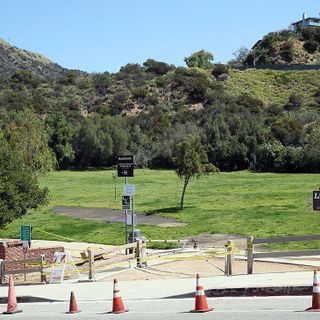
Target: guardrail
251,241
24,266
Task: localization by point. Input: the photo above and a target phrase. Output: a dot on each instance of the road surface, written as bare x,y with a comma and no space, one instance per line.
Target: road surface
265,308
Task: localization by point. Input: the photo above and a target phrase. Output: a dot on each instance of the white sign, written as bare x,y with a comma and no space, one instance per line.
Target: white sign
129,190
129,220
58,267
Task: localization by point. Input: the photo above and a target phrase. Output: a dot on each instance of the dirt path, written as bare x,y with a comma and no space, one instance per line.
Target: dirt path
110,215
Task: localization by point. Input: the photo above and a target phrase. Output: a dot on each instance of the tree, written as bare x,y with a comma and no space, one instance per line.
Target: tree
241,56
26,134
201,59
191,162
19,188
60,141
157,67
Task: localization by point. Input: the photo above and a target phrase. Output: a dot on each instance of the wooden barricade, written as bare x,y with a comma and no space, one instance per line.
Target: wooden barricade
251,255
23,266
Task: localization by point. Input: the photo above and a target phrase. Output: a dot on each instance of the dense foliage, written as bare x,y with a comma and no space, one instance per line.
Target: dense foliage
263,120
24,157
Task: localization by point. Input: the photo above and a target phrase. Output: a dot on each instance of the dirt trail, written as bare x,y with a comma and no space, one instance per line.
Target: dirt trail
110,215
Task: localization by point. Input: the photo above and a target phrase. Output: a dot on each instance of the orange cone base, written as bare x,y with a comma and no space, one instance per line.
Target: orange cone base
12,312
313,310
118,312
72,312
205,310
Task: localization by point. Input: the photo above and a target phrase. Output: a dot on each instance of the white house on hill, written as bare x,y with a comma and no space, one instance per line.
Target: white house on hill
305,22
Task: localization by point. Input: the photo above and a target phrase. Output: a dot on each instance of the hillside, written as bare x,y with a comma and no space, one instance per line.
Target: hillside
13,59
275,87
264,120
286,47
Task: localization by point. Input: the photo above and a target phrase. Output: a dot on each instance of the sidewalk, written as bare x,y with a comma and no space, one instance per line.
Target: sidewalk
156,289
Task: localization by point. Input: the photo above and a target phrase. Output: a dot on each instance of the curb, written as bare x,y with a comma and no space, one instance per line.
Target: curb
251,292
27,299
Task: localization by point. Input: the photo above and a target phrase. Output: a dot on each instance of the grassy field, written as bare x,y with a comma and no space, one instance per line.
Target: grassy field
243,203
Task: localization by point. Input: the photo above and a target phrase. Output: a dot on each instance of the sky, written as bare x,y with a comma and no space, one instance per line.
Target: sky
103,35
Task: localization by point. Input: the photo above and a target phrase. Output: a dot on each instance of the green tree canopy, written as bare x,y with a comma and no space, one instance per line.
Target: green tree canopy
19,188
26,134
201,59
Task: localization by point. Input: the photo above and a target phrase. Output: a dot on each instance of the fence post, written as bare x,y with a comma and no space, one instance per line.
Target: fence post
141,254
91,260
43,269
144,253
1,271
249,255
228,258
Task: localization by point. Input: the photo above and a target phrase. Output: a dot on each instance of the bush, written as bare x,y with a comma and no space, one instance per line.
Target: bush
157,67
295,101
287,51
219,69
311,46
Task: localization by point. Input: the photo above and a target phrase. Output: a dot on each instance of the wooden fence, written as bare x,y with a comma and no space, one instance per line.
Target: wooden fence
23,266
251,255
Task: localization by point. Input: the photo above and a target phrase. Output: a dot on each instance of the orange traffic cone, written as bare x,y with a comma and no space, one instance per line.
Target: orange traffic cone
117,304
12,300
73,307
315,294
201,301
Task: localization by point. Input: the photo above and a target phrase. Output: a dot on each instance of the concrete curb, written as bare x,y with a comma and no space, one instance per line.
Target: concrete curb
251,292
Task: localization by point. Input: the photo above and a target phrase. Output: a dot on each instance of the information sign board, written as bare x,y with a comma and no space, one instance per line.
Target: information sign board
129,190
316,200
25,232
125,166
126,202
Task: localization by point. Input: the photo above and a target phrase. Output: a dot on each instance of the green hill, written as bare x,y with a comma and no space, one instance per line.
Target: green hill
262,119
275,87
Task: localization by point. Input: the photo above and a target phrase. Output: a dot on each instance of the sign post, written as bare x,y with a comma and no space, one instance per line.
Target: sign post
125,169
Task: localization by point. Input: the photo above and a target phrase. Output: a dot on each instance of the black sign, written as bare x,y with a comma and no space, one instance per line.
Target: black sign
126,202
125,166
316,200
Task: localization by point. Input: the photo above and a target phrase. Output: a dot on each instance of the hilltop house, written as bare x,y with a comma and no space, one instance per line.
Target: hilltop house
305,22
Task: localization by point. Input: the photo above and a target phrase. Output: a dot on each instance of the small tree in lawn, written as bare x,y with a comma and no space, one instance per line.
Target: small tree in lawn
191,161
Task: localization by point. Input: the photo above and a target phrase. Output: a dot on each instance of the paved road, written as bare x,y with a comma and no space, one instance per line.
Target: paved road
280,308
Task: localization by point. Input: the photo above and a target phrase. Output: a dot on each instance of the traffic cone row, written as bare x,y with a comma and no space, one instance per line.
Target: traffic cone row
201,304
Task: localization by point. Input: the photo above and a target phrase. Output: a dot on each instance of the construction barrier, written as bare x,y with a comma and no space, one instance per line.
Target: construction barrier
251,255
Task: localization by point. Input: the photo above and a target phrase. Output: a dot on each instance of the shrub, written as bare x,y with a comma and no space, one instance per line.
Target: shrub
311,46
219,69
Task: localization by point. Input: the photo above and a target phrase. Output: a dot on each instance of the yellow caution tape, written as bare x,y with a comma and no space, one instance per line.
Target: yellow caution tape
56,235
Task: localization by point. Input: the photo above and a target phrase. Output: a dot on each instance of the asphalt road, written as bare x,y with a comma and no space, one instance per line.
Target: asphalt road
265,308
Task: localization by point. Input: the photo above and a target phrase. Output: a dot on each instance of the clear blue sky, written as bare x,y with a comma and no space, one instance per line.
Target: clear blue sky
103,35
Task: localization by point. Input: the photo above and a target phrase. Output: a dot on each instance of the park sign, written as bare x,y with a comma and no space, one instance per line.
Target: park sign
316,200
126,202
125,166
25,235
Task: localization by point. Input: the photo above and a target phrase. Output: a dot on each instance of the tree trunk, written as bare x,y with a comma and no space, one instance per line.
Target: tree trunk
186,181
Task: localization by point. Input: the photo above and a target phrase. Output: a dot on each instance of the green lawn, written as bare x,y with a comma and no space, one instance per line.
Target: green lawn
262,205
